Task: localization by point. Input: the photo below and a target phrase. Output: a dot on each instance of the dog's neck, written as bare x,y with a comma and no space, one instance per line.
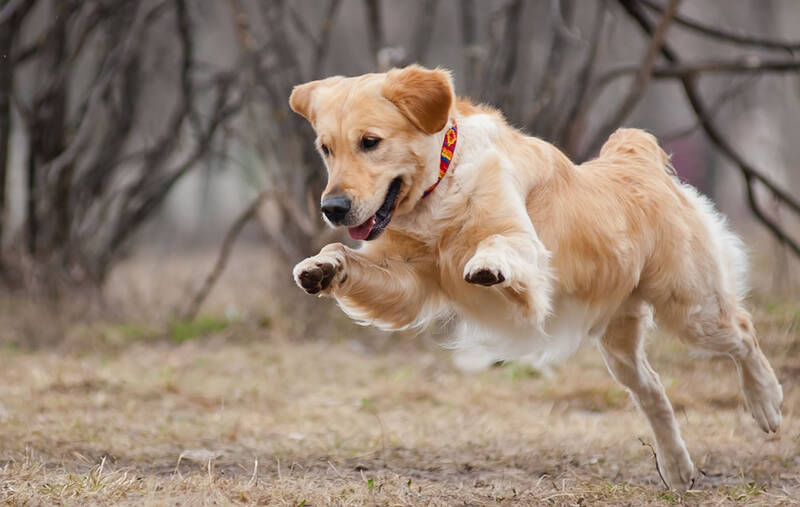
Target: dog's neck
420,220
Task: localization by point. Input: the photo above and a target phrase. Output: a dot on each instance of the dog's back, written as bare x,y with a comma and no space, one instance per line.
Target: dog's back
624,223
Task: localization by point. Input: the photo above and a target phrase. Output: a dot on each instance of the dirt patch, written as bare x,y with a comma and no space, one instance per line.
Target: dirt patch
248,416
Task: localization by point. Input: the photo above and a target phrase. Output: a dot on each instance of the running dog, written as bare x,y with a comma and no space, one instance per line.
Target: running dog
464,216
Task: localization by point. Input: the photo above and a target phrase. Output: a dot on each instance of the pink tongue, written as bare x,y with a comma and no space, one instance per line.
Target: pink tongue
363,230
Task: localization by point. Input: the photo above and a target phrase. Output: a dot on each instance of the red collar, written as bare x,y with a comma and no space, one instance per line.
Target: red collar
448,147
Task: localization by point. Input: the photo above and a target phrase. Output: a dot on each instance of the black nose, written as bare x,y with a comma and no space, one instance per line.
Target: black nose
336,207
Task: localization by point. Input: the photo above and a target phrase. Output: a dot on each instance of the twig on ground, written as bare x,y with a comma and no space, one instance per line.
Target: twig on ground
655,457
254,479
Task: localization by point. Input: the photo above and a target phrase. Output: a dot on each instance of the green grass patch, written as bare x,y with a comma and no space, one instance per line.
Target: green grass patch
519,371
124,333
202,326
784,312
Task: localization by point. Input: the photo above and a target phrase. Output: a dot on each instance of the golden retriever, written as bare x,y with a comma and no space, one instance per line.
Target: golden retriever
530,253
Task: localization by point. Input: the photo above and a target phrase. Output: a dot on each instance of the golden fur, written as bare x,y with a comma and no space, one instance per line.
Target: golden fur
529,252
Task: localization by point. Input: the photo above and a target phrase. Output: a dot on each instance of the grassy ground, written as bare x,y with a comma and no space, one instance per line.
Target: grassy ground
245,412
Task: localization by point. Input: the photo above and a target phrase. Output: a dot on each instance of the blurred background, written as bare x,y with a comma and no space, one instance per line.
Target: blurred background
144,129
156,190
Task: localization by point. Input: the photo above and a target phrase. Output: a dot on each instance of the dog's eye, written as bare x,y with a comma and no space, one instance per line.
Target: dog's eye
369,143
325,150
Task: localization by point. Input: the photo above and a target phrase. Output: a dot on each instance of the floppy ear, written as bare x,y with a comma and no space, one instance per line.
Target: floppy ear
301,101
423,96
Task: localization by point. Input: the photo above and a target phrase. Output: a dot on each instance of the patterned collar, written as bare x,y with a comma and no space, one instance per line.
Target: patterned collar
448,147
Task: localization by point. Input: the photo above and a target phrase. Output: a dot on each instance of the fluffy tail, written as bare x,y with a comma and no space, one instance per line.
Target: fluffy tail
636,143
727,247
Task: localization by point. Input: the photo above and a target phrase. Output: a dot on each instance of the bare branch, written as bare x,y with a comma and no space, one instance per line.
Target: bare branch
502,55
542,120
280,42
95,178
716,137
149,193
375,33
746,40
187,50
222,258
120,55
749,171
10,9
713,109
7,36
421,38
322,44
246,41
771,224
470,48
512,43
639,84
298,22
568,131
744,65
325,30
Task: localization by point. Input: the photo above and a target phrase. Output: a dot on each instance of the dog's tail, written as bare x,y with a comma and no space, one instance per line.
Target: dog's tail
637,143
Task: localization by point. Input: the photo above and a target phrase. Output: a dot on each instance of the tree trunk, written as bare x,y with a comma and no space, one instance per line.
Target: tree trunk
47,141
7,30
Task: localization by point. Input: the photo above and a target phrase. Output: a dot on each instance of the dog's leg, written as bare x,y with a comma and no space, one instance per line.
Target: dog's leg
518,264
386,283
726,328
509,253
318,274
623,350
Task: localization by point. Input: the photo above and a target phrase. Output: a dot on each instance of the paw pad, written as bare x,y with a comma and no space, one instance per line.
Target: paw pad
317,278
485,277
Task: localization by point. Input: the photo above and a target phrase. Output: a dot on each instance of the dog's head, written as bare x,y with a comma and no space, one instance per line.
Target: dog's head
376,134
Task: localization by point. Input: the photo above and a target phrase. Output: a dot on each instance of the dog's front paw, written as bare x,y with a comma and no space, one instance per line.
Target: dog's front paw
482,270
317,274
485,277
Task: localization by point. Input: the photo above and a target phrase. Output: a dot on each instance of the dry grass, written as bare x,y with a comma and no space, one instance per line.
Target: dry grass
250,415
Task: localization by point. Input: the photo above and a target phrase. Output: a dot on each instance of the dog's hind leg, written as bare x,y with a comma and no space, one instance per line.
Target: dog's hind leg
702,305
622,346
724,327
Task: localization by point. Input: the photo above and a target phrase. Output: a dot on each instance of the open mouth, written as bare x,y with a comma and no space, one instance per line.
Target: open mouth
374,225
